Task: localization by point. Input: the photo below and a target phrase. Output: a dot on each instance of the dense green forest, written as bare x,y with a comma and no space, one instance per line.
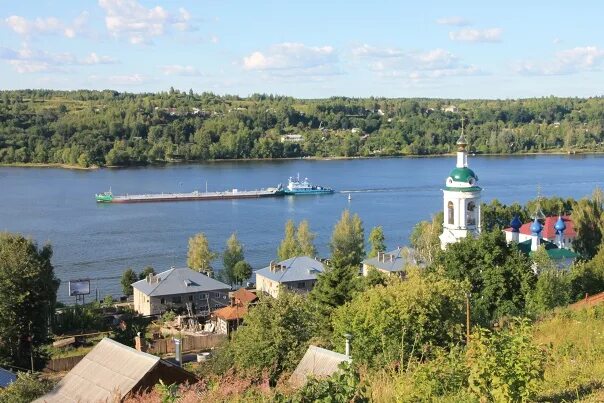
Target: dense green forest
99,128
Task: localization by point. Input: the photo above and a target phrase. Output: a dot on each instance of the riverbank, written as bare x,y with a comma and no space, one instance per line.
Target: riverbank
309,158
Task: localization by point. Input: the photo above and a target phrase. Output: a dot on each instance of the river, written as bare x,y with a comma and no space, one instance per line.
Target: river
99,241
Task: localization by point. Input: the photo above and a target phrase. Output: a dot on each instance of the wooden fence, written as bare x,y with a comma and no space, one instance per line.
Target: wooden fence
63,364
189,343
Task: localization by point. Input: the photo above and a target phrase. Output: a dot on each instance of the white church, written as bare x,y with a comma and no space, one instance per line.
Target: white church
461,200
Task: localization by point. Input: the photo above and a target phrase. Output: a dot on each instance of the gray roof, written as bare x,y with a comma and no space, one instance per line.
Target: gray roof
6,377
317,362
178,281
394,261
298,268
109,370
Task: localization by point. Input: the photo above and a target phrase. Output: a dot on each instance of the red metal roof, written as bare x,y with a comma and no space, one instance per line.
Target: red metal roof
245,296
231,312
549,232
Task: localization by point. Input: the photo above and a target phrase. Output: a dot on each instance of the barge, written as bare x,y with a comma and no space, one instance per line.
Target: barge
295,186
109,197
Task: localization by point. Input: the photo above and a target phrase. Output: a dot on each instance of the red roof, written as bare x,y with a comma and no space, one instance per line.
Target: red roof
231,312
549,232
245,296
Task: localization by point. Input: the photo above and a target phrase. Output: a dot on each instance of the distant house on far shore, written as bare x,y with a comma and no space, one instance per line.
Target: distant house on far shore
295,274
175,288
292,138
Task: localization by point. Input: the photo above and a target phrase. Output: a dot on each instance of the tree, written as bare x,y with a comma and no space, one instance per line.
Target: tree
128,278
289,246
389,323
552,289
200,256
505,366
347,241
588,219
146,271
587,278
500,276
274,335
28,293
425,238
27,388
376,240
242,271
232,254
305,240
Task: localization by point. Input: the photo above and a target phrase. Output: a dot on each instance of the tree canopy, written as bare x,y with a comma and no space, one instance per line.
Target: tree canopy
200,256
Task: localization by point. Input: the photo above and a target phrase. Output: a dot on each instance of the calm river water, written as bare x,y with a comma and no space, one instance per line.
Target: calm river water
99,241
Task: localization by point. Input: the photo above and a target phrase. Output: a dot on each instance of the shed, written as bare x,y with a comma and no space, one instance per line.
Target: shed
6,377
318,363
111,371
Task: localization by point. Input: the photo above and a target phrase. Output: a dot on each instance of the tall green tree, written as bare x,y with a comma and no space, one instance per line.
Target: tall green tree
28,293
128,278
425,238
200,256
242,271
274,335
500,276
376,240
289,245
587,278
588,219
305,238
347,241
232,254
146,271
388,323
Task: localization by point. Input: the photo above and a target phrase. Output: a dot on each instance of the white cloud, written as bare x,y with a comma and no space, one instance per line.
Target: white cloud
46,25
292,59
414,65
476,35
28,60
128,79
569,61
178,70
131,20
453,20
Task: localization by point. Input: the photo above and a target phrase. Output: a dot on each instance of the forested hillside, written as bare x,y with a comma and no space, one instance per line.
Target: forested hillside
99,128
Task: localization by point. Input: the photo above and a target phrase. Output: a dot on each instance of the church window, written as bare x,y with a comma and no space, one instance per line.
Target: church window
451,213
471,214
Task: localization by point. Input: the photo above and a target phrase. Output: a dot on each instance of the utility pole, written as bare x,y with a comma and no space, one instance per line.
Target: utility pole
467,318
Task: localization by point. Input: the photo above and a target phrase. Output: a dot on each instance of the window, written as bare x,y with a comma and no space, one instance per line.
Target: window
201,296
162,301
451,213
216,295
176,300
190,298
471,214
301,284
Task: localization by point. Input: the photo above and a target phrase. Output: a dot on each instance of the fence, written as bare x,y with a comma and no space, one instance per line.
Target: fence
189,343
63,364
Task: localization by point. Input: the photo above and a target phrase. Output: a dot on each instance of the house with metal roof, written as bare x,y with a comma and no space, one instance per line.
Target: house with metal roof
6,377
395,261
297,274
181,288
111,372
317,363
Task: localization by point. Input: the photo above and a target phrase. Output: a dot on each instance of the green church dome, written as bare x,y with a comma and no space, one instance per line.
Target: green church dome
465,175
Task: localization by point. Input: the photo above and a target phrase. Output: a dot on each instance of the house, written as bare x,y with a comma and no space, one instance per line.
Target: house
317,363
179,289
295,274
227,319
395,261
6,378
549,232
292,138
111,372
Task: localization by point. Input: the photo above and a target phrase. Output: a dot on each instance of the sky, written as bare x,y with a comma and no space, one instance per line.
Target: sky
307,49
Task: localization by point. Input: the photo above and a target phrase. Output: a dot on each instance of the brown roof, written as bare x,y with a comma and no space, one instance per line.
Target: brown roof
245,296
231,312
589,301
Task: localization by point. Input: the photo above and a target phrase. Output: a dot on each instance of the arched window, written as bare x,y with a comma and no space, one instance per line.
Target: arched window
471,213
450,213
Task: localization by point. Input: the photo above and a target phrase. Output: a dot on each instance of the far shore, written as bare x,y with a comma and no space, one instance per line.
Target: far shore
313,158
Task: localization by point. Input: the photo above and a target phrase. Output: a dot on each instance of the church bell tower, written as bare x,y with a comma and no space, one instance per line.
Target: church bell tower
461,197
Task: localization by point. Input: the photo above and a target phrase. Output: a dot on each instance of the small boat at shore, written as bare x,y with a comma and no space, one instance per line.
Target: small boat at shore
109,197
298,187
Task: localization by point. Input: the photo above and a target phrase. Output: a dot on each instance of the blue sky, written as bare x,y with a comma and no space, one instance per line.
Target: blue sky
309,49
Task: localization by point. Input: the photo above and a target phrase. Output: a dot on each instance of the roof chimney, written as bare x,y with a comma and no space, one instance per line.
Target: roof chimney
347,336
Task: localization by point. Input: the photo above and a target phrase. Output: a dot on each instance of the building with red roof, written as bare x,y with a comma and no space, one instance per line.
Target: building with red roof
227,319
548,233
